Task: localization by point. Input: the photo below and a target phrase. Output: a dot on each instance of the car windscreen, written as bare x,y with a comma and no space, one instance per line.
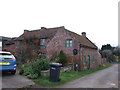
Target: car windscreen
5,54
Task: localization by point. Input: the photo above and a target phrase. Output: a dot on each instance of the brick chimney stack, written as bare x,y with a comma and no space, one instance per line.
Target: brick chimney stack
84,34
26,31
43,28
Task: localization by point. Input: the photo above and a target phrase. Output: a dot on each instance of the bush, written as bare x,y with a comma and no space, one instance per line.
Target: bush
32,69
62,58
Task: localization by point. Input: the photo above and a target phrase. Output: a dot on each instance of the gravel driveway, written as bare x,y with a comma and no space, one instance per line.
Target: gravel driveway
15,81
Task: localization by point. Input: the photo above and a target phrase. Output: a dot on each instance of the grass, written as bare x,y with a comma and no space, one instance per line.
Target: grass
67,76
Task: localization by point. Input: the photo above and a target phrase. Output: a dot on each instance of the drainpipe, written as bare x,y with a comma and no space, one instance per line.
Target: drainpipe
72,62
73,59
79,54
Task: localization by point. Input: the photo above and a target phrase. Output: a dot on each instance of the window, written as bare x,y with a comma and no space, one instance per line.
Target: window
68,43
88,66
93,59
42,42
84,59
7,45
5,54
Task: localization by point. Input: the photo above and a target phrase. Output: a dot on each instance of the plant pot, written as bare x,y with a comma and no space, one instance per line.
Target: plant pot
45,73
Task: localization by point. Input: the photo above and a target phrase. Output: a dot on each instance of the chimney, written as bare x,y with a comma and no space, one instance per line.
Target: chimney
84,34
26,31
43,27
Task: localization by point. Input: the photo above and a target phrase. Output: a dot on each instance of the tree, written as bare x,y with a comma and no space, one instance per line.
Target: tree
108,55
116,51
62,58
106,47
27,51
109,52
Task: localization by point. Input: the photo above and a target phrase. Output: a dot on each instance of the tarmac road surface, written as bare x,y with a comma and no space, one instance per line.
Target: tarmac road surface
107,78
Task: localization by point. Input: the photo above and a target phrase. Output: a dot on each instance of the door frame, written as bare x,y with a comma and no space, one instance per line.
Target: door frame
88,60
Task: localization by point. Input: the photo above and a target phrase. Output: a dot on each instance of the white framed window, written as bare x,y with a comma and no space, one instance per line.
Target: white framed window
69,43
42,42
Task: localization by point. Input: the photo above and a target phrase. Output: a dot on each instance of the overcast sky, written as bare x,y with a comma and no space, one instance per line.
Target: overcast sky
98,18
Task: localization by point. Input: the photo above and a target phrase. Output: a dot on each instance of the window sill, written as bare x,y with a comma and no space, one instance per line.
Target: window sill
42,45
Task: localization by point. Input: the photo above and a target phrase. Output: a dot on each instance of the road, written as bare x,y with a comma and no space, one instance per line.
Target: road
107,78
15,81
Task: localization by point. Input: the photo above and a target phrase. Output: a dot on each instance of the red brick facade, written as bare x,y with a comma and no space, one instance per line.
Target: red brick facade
58,43
55,41
9,45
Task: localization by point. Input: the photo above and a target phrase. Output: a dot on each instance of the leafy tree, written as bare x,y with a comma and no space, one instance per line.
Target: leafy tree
109,52
106,47
116,51
108,55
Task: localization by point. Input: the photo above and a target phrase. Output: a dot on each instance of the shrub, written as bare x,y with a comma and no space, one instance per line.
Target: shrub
32,69
62,58
43,64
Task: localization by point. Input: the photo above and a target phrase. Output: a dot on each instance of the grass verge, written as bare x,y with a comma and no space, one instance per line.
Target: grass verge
68,76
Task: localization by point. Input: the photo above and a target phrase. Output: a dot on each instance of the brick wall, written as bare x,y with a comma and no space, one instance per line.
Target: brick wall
9,48
92,53
58,43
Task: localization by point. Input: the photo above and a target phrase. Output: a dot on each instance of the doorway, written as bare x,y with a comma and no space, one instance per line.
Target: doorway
88,65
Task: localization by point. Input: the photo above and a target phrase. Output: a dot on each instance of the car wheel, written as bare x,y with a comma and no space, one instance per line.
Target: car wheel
13,72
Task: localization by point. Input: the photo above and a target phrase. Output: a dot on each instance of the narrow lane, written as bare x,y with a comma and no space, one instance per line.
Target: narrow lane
107,78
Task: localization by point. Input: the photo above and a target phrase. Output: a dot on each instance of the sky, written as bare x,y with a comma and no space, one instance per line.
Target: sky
98,18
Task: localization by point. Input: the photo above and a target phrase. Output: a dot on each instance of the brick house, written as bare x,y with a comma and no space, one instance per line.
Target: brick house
9,44
52,40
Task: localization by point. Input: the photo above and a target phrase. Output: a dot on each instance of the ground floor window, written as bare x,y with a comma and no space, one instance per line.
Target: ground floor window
93,59
84,59
88,61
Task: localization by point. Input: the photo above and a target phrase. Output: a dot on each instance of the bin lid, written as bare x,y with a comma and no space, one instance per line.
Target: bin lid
55,64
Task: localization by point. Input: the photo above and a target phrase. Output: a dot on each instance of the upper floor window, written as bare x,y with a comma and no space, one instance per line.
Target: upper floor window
69,43
42,42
